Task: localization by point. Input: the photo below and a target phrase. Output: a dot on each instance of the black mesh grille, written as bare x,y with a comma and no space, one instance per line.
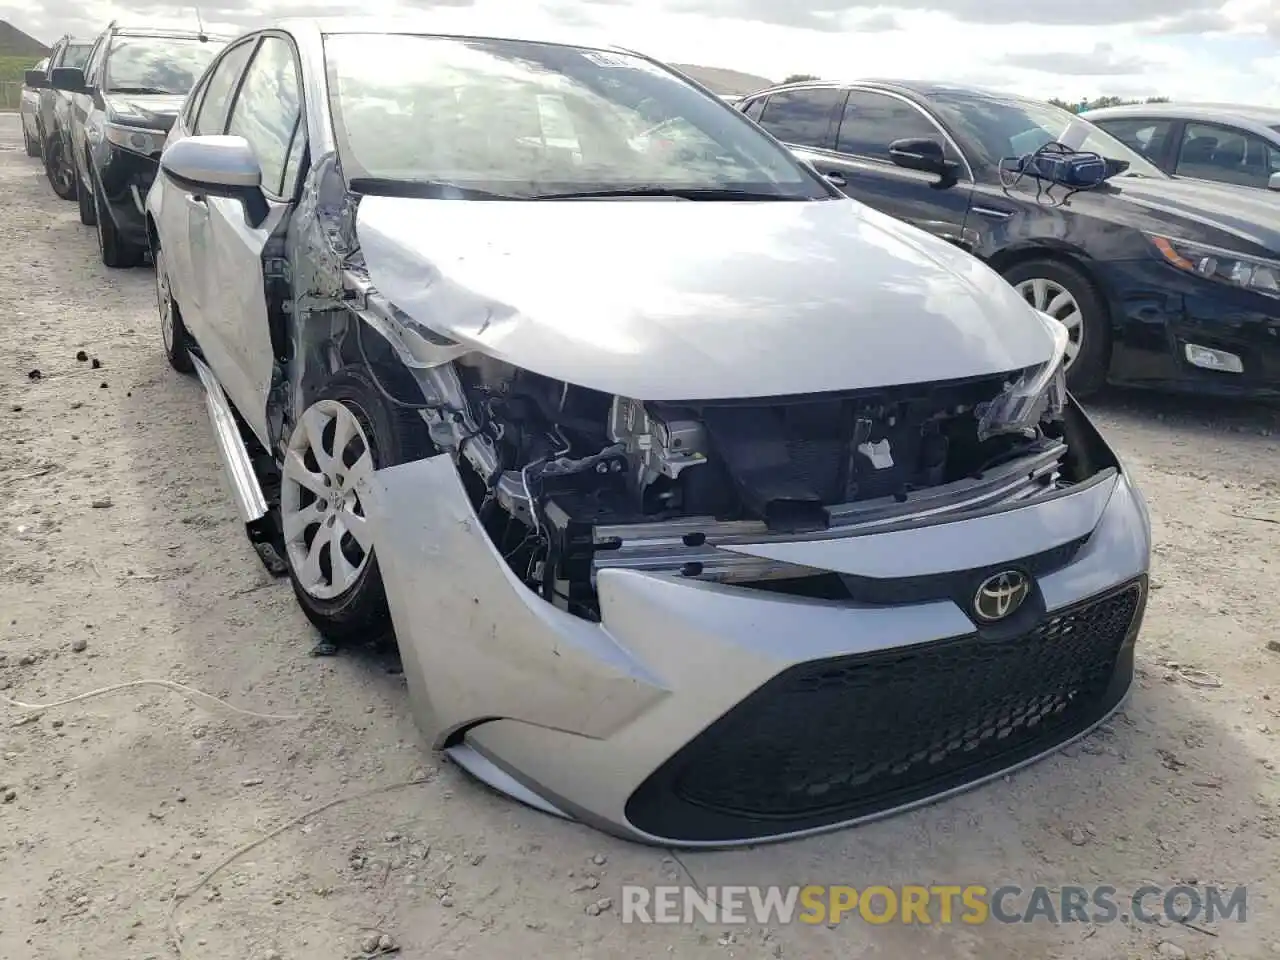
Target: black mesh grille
834,740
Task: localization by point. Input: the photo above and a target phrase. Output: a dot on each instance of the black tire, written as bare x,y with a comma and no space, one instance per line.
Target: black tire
60,171
116,251
33,146
173,332
395,436
88,208
1087,374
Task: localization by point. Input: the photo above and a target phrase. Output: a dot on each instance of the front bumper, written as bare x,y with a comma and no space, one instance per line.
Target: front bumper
1157,311
697,714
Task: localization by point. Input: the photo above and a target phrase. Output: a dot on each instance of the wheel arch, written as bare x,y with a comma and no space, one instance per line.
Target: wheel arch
1004,260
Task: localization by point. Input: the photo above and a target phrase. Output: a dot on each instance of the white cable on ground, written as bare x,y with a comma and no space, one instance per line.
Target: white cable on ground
190,693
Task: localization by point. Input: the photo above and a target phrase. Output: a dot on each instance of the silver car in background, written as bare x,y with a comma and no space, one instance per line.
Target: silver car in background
707,506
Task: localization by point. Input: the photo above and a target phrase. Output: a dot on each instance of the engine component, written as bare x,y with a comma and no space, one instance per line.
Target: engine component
655,448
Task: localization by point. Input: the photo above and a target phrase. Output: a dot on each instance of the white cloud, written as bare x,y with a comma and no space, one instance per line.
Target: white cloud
1090,48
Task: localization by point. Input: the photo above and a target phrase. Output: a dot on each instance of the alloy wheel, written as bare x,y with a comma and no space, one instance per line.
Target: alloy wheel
325,530
164,301
62,172
1051,297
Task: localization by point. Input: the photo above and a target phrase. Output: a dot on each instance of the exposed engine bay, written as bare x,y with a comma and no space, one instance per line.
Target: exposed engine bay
568,480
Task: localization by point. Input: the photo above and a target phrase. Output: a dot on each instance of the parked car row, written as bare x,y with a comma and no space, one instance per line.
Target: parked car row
104,109
1161,281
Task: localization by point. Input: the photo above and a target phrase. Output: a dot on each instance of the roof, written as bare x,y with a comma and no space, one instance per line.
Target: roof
441,24
193,34
920,88
1239,113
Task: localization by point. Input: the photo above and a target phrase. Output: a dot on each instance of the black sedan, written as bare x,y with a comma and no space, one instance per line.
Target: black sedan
1161,282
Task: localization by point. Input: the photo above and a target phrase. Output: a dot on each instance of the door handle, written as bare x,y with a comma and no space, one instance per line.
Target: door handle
835,179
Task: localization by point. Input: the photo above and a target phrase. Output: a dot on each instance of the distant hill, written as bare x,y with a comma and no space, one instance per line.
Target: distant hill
15,43
722,81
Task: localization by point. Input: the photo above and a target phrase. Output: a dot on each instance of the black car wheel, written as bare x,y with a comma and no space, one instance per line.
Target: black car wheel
116,251
33,147
88,208
1067,295
59,168
172,330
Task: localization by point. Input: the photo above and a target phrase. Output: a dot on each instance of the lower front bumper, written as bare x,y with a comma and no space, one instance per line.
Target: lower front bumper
696,714
1158,311
126,179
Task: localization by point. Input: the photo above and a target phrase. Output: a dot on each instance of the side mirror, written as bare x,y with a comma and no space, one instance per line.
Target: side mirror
1273,183
926,155
36,80
70,79
218,166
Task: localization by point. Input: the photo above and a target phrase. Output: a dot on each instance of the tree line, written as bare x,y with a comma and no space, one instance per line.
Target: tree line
1083,104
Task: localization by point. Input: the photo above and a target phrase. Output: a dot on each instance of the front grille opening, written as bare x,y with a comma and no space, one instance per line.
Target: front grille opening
836,740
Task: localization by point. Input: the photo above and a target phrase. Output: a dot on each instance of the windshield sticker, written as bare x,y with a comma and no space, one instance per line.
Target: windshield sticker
612,60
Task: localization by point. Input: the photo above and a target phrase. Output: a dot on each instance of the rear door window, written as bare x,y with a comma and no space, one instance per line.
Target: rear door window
871,121
1147,136
1226,155
802,117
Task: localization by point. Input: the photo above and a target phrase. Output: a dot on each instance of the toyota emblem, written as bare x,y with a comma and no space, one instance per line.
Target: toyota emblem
1000,595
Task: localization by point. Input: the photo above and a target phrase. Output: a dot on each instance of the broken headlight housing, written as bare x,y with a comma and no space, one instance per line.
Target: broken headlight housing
1039,393
141,140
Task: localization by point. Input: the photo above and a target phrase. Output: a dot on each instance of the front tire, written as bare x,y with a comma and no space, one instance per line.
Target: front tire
349,431
1066,294
116,251
60,170
33,148
88,208
173,331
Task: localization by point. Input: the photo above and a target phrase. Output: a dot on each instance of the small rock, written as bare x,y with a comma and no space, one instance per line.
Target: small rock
251,782
34,375
1273,646
1170,951
369,944
196,854
9,795
102,503
81,356
96,364
605,903
77,405
1077,837
26,660
446,901
102,385
386,944
593,910
599,859
79,645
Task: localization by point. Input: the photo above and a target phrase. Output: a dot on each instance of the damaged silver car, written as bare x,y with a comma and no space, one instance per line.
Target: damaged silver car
707,506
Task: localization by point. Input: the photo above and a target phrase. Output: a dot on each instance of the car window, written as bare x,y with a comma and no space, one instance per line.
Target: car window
802,117
1226,155
871,121
1147,136
75,54
997,126
755,108
156,64
268,108
525,119
220,88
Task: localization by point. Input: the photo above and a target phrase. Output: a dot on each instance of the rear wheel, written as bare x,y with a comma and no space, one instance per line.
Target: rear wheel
347,433
1064,293
59,169
33,147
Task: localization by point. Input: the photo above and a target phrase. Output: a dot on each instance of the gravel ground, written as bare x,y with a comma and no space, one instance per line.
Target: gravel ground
121,559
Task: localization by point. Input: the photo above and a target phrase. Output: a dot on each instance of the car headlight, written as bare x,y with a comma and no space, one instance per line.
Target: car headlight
1039,393
135,139
1214,263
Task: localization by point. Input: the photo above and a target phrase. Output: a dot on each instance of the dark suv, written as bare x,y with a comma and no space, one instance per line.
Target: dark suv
122,105
53,109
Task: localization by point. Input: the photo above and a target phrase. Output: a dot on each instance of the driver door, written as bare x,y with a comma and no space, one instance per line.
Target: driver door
227,251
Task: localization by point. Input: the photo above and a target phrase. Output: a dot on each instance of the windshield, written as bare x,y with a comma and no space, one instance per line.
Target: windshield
520,119
1001,128
77,55
157,64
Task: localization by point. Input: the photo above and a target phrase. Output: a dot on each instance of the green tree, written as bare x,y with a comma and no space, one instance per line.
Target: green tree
798,77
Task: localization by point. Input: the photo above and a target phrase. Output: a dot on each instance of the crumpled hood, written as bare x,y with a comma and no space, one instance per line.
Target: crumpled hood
154,111
693,300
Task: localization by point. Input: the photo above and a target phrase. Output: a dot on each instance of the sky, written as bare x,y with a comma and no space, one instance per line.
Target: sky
1208,50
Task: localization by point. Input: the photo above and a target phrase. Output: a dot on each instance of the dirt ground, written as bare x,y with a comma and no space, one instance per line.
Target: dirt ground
121,559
